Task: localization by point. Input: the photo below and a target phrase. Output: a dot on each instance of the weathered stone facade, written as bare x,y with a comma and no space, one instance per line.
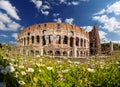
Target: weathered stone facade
54,39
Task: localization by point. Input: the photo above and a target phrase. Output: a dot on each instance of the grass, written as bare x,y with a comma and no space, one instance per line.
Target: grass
41,71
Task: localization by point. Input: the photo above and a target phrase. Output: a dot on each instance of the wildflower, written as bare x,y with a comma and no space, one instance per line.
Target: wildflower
60,75
69,61
49,68
35,79
37,55
119,67
30,70
58,61
62,79
77,62
10,69
21,67
21,82
91,70
65,71
44,83
10,64
23,73
117,62
40,60
80,81
83,68
39,70
38,64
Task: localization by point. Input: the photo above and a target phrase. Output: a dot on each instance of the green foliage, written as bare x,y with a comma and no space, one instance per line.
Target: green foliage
25,71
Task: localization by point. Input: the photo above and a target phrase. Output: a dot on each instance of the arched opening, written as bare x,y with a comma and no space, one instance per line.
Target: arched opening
71,54
77,41
32,39
27,40
81,42
32,53
44,40
65,40
58,26
38,39
44,52
81,53
37,52
57,53
44,32
50,39
58,39
71,34
50,53
64,53
84,43
77,53
71,41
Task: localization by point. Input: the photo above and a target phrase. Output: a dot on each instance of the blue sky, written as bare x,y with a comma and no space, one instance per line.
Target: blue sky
18,14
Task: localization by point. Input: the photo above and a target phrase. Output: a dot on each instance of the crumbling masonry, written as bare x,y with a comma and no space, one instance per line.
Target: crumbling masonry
58,39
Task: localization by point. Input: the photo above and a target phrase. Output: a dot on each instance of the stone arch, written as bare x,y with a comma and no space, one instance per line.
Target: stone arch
81,42
44,40
64,53
65,40
38,39
50,53
77,41
58,26
32,39
28,40
37,52
71,41
57,53
81,53
58,39
32,53
50,39
77,53
71,33
44,32
71,53
84,42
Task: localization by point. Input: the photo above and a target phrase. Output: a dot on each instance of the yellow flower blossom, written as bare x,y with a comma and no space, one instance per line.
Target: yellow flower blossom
81,81
34,79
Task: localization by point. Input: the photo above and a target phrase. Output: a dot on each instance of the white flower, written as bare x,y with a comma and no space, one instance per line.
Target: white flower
21,67
21,82
117,62
65,71
49,68
10,69
38,64
37,55
118,66
59,61
23,73
39,70
77,62
69,61
10,64
91,70
30,70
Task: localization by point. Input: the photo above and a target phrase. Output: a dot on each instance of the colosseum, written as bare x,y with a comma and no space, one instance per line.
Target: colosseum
58,40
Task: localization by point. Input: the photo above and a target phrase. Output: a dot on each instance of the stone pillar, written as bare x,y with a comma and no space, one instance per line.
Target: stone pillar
68,53
68,42
111,46
41,50
74,48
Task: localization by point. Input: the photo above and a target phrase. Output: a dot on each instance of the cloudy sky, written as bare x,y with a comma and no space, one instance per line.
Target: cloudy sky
18,14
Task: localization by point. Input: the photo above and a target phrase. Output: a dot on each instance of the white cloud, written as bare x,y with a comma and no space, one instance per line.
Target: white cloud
11,10
75,3
102,35
15,35
45,12
111,24
3,35
13,25
12,42
44,7
87,28
56,14
100,12
59,20
4,18
115,8
37,3
69,20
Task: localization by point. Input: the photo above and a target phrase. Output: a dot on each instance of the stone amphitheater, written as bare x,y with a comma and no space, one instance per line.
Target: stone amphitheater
58,40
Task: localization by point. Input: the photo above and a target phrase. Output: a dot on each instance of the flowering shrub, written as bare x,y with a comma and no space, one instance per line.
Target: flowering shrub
21,71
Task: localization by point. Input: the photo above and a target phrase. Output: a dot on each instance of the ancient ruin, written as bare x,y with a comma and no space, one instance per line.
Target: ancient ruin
58,39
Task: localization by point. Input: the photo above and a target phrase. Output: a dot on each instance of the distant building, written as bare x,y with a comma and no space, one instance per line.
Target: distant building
58,39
